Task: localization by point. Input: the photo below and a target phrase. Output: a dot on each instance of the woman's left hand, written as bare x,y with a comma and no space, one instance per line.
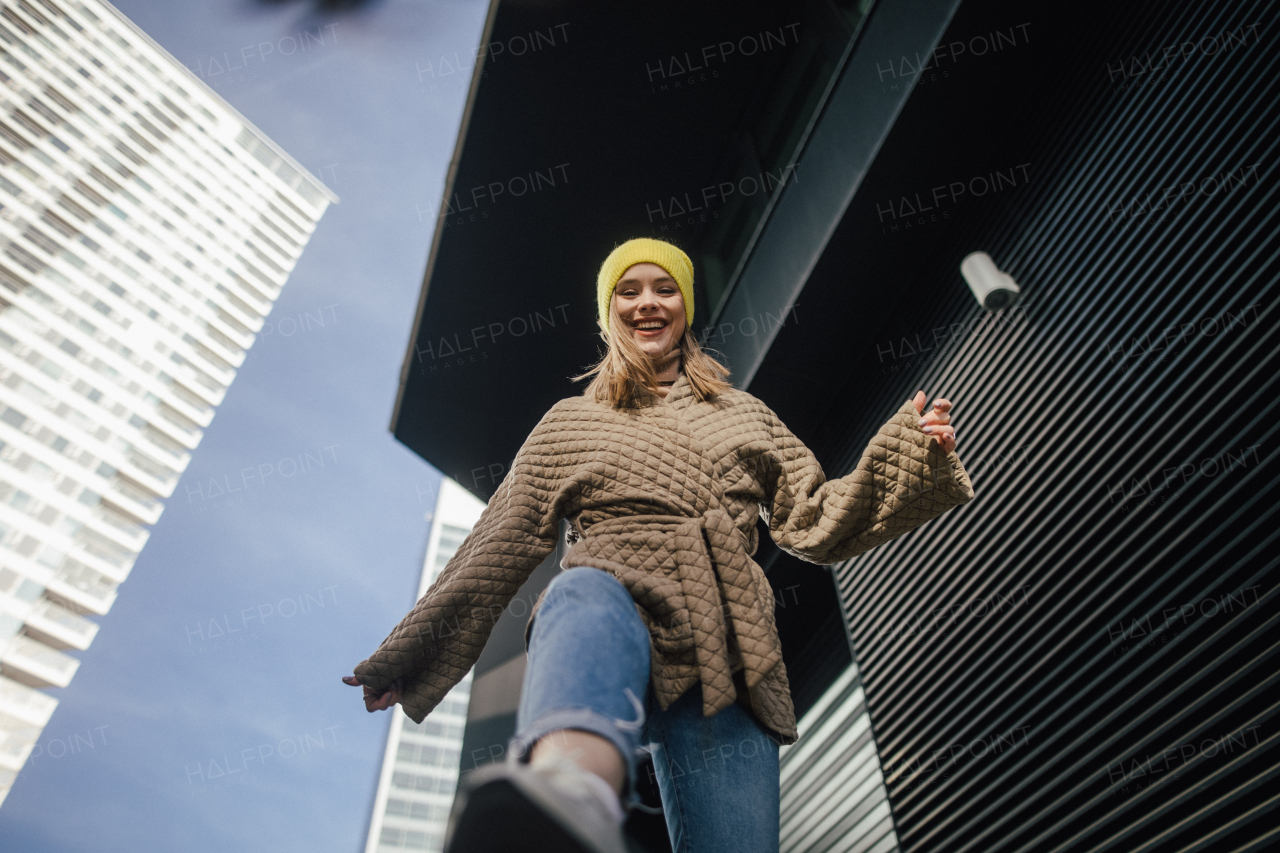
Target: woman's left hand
937,422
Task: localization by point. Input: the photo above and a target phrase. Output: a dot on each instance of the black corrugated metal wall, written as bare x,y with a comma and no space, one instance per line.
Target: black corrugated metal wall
833,795
1083,657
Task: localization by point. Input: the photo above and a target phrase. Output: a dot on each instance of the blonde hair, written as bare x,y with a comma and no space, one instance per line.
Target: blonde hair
625,368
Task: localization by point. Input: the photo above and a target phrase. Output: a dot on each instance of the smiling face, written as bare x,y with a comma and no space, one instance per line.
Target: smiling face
651,305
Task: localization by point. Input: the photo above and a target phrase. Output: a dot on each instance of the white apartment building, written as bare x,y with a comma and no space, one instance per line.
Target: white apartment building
420,767
146,229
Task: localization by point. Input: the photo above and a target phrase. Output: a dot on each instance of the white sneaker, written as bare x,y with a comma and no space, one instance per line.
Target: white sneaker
553,806
565,773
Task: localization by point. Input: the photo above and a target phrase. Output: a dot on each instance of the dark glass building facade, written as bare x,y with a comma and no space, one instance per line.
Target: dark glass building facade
1080,658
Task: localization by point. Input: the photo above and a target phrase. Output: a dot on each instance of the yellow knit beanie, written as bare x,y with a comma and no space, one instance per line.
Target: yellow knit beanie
645,250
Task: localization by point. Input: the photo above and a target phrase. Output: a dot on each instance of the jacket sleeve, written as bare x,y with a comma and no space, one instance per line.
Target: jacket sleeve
903,480
437,643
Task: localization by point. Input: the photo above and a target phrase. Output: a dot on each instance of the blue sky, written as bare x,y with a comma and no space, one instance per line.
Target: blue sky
209,714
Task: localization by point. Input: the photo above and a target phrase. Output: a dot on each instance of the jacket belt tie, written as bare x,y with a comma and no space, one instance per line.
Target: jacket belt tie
717,578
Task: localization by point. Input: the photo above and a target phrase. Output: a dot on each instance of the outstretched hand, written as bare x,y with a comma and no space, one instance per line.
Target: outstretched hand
937,422
375,700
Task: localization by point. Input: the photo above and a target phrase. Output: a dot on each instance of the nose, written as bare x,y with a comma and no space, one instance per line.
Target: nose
648,299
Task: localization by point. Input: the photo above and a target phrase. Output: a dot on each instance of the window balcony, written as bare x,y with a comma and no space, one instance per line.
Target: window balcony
81,587
23,703
16,742
145,470
102,555
35,664
185,401
135,500
58,627
178,427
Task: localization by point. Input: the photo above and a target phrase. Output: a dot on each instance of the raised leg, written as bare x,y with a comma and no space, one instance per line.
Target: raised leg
587,677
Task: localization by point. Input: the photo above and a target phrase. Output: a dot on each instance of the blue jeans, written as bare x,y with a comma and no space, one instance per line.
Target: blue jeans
588,669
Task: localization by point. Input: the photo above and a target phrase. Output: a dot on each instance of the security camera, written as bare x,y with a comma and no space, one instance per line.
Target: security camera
993,289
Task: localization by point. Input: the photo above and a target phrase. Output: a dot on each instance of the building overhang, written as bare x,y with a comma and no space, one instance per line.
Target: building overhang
564,152
567,151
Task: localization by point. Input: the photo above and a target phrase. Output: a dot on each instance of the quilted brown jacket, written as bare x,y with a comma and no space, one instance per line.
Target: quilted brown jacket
664,496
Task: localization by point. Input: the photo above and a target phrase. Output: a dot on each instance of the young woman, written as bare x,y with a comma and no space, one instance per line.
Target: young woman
660,634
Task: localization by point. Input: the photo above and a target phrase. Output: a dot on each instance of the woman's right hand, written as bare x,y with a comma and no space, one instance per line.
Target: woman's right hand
375,700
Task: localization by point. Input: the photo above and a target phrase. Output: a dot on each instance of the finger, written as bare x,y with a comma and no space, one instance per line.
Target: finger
942,404
934,417
918,401
352,680
941,434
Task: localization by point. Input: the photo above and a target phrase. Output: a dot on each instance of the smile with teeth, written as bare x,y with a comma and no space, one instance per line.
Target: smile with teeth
649,325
